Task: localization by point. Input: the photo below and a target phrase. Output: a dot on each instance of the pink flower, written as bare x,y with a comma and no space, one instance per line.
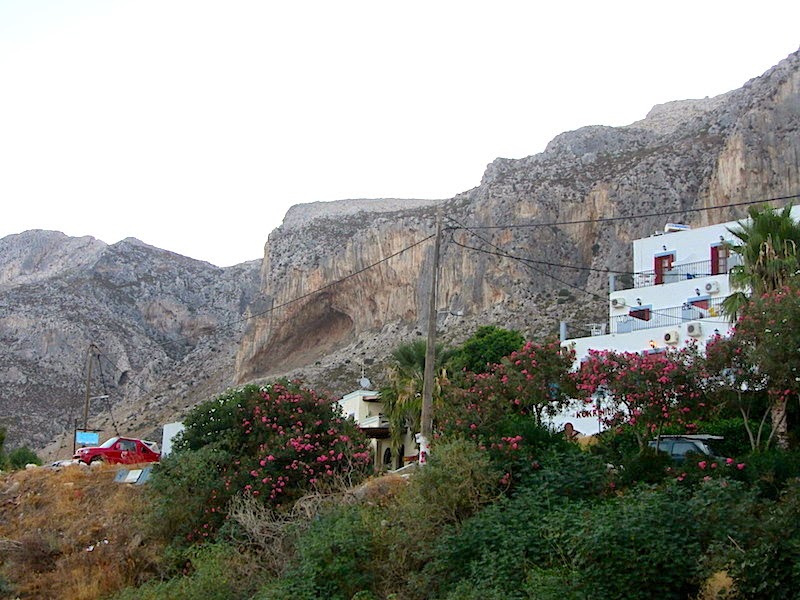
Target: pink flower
729,461
702,464
740,466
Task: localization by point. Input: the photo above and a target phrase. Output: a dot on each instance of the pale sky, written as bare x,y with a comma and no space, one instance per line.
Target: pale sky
194,125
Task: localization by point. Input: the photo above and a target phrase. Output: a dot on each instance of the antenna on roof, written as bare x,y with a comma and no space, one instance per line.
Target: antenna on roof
364,382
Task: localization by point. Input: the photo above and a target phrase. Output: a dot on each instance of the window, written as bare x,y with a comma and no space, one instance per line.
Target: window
127,446
643,313
682,448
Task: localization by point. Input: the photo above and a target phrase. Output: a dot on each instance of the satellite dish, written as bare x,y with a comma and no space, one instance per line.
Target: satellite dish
364,383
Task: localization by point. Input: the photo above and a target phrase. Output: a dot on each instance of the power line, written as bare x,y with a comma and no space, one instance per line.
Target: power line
334,283
526,261
307,294
273,308
497,252
503,254
183,339
635,216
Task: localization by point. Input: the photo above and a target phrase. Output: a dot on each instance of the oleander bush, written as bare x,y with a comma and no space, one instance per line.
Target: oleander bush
273,442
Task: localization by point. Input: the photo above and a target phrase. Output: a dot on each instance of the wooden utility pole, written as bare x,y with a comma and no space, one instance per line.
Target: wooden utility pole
90,354
426,419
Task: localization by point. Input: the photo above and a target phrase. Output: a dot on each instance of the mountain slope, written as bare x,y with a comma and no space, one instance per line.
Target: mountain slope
154,316
683,157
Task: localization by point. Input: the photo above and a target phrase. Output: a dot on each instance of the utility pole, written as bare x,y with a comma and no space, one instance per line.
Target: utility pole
90,354
426,419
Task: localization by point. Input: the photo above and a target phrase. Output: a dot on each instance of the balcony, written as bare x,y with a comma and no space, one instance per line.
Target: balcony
667,317
377,421
694,270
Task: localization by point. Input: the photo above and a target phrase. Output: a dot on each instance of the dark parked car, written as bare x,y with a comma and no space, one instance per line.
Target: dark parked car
678,446
120,450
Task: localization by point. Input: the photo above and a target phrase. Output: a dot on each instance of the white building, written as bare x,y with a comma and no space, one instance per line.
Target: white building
366,409
674,296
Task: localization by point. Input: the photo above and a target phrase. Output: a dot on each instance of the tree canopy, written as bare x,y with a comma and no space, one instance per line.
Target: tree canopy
486,347
768,243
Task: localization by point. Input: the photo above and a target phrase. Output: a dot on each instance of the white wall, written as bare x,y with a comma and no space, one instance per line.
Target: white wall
170,431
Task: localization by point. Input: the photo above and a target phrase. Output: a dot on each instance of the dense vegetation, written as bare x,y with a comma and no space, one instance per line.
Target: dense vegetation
508,508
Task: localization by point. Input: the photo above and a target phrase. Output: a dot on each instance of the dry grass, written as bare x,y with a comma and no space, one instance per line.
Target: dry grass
717,587
72,534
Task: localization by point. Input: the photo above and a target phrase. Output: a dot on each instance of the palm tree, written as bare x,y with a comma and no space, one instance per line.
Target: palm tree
402,398
768,245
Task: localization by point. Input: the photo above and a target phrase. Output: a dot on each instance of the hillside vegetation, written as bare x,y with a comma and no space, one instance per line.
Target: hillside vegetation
269,495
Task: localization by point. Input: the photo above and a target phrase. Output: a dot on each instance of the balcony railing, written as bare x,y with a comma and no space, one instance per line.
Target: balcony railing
374,421
682,272
666,317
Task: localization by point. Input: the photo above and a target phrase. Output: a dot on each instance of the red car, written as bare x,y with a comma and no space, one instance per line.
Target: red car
120,450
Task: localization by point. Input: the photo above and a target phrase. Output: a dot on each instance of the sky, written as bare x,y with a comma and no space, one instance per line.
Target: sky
194,125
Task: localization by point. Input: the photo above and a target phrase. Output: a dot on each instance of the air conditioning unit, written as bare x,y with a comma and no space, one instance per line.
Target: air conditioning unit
712,287
618,302
671,337
694,329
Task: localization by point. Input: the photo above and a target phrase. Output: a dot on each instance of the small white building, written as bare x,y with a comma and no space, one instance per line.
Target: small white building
366,410
170,431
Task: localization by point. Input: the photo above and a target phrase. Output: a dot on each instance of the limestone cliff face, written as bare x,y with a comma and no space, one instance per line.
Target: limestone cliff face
685,155
761,152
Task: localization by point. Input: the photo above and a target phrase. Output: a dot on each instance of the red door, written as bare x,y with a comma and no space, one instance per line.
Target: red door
719,259
663,263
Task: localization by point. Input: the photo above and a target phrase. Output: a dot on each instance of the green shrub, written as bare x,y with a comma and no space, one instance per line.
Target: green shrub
770,471
554,583
468,590
637,545
274,442
615,444
568,473
17,459
726,514
499,545
456,484
217,572
194,477
334,556
486,347
735,441
766,564
647,466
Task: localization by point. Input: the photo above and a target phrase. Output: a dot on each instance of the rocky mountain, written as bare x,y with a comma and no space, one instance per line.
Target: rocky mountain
342,283
163,324
682,157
